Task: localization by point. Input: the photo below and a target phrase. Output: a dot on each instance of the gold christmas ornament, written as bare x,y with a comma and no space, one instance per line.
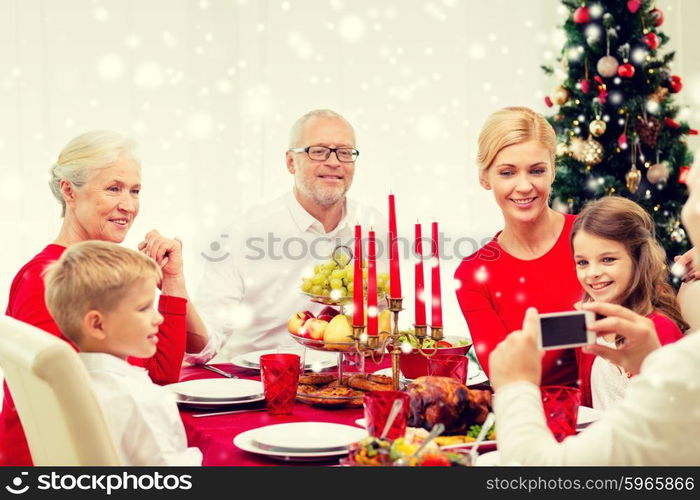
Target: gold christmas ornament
591,152
658,172
597,127
607,66
632,179
562,149
576,147
560,95
659,94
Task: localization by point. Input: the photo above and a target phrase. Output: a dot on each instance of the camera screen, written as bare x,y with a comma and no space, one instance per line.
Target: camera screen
563,330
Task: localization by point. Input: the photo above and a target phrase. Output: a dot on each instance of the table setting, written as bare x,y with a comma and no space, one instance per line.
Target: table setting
354,389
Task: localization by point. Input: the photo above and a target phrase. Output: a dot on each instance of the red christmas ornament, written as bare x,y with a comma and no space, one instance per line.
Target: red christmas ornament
671,123
581,15
548,101
657,16
622,141
625,70
692,131
683,174
633,6
651,40
585,86
675,84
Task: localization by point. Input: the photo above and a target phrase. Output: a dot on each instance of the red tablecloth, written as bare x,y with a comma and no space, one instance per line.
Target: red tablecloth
214,435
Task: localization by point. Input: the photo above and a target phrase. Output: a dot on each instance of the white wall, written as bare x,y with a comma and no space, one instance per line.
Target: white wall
209,88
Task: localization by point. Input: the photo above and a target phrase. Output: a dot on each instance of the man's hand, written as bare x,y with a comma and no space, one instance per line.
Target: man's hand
638,334
517,358
166,252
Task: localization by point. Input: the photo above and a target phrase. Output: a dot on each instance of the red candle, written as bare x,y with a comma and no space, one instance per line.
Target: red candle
372,321
420,280
436,294
357,292
394,268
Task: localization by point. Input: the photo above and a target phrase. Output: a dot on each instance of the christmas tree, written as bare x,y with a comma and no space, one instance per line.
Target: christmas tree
618,127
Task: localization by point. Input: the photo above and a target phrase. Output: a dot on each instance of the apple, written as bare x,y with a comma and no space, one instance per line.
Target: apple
328,311
315,328
296,322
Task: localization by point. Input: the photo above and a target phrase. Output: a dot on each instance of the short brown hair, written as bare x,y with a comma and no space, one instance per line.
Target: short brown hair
513,125
619,219
92,275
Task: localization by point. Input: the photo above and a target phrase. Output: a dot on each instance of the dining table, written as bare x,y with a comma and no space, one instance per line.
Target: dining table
214,435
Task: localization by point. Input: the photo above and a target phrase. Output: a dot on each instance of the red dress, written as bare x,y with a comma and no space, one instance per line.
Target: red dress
667,331
27,304
496,289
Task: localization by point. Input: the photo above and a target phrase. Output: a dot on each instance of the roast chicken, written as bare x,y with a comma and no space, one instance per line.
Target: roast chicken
442,399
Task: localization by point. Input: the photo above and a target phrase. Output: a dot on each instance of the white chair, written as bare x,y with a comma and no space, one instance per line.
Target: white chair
54,398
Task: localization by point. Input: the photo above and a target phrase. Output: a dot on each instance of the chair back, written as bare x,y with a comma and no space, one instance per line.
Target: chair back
55,400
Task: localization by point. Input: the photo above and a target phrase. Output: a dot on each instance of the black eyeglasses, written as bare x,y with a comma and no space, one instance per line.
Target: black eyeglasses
322,153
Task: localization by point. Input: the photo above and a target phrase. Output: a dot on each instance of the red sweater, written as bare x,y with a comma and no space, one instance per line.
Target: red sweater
667,331
497,288
27,304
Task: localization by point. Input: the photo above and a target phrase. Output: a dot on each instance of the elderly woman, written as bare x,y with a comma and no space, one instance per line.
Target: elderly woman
97,180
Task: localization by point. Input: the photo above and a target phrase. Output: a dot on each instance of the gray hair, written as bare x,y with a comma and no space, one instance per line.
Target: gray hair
83,155
295,132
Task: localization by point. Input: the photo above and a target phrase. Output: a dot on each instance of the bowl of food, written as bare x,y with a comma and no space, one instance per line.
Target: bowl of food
413,364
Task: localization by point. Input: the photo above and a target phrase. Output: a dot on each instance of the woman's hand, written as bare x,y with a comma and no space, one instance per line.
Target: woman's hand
518,358
168,255
637,332
686,260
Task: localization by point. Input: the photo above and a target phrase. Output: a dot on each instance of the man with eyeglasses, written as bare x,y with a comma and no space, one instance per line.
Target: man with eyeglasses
251,284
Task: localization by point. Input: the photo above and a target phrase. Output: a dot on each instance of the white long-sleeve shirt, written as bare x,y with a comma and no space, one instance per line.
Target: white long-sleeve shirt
142,417
252,277
656,423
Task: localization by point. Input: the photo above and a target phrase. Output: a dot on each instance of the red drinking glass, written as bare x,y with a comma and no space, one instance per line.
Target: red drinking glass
377,408
561,409
449,365
280,378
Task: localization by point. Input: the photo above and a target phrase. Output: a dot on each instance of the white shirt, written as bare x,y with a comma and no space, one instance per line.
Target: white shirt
656,422
142,416
608,381
252,284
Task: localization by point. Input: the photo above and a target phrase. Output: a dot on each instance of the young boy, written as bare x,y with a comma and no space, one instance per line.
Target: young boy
101,296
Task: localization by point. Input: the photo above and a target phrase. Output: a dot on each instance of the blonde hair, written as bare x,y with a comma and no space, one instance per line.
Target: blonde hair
513,125
92,275
83,155
295,132
622,220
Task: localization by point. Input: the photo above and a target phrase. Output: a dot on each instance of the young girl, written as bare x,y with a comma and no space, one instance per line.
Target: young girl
618,260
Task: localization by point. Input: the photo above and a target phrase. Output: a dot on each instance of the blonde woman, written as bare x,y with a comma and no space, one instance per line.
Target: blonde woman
97,181
529,262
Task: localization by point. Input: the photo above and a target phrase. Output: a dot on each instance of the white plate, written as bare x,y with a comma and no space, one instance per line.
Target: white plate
307,437
245,442
217,390
490,458
362,422
210,405
313,360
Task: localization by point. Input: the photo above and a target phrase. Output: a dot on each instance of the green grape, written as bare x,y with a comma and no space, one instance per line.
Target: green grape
316,289
349,273
326,292
350,287
306,286
337,274
336,283
343,291
317,279
317,268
